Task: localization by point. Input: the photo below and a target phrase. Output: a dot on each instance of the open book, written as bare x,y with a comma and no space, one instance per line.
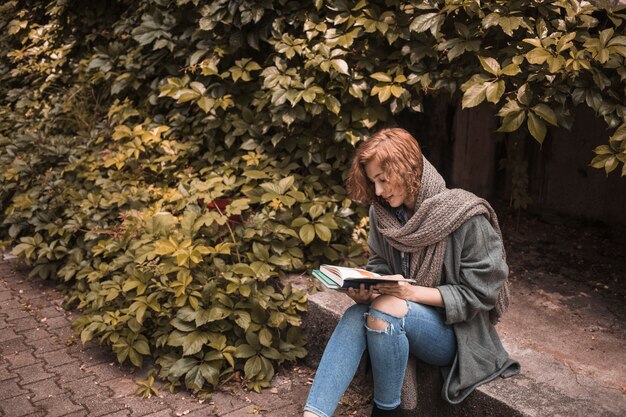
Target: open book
342,278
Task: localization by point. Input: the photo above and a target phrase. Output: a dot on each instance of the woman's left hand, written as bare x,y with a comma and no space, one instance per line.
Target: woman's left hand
398,289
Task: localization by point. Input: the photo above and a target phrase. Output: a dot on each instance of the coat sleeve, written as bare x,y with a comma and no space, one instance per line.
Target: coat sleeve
377,261
482,272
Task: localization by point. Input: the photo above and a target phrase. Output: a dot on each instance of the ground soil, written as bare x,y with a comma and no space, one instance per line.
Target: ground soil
568,288
568,256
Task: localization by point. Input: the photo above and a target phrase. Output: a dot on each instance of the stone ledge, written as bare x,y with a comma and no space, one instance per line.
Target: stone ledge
545,386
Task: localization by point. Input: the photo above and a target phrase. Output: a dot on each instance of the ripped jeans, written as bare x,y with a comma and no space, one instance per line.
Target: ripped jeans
422,332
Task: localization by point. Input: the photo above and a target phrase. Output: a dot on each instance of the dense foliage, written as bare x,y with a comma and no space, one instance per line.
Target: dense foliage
171,160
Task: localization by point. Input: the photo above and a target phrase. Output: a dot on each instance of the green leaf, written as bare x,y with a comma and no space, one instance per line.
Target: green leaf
253,368
511,70
210,372
512,121
538,56
490,65
315,211
194,379
265,337
307,233
423,22
384,94
340,65
323,232
600,160
193,342
182,366
217,313
475,95
610,164
536,127
142,347
205,103
382,77
245,351
243,319
397,90
546,113
494,91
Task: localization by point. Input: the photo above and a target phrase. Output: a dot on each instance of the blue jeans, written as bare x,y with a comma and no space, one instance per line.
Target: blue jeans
422,332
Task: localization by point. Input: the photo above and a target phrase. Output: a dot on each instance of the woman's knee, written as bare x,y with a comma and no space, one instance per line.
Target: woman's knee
391,305
387,304
355,312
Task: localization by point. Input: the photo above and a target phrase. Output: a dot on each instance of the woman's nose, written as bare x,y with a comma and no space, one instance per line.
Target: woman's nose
378,189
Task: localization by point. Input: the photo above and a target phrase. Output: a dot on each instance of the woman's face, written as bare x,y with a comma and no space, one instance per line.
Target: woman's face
393,193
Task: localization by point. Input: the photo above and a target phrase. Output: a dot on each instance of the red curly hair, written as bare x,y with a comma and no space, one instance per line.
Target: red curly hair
399,156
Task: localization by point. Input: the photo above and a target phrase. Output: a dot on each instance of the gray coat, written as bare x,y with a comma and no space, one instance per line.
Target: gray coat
473,273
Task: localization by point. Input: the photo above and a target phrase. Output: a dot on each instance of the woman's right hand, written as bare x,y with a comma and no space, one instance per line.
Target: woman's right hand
363,295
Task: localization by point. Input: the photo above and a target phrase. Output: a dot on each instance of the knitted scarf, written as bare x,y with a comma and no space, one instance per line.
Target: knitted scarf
439,211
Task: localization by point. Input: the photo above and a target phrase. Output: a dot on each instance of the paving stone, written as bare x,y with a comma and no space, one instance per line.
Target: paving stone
225,403
86,387
16,313
57,322
58,406
57,358
26,323
5,373
208,410
39,333
6,296
63,333
288,411
182,402
10,388
84,413
23,287
17,406
122,386
43,389
165,413
51,311
69,372
248,411
20,359
33,373
4,324
105,372
122,413
101,405
93,355
140,407
6,335
45,344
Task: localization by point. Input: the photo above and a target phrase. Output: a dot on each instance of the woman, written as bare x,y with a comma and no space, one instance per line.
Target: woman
447,240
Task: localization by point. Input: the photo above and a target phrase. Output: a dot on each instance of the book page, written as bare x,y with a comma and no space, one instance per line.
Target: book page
343,273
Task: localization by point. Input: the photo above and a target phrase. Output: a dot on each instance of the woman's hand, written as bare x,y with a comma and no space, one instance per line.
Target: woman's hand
363,295
401,290
415,293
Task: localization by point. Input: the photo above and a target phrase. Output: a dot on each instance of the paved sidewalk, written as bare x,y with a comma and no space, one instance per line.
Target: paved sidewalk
46,371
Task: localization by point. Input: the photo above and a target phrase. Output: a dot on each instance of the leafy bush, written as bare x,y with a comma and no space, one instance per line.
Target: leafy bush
170,161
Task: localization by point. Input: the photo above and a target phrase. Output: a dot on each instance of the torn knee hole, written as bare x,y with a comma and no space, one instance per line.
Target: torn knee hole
375,323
